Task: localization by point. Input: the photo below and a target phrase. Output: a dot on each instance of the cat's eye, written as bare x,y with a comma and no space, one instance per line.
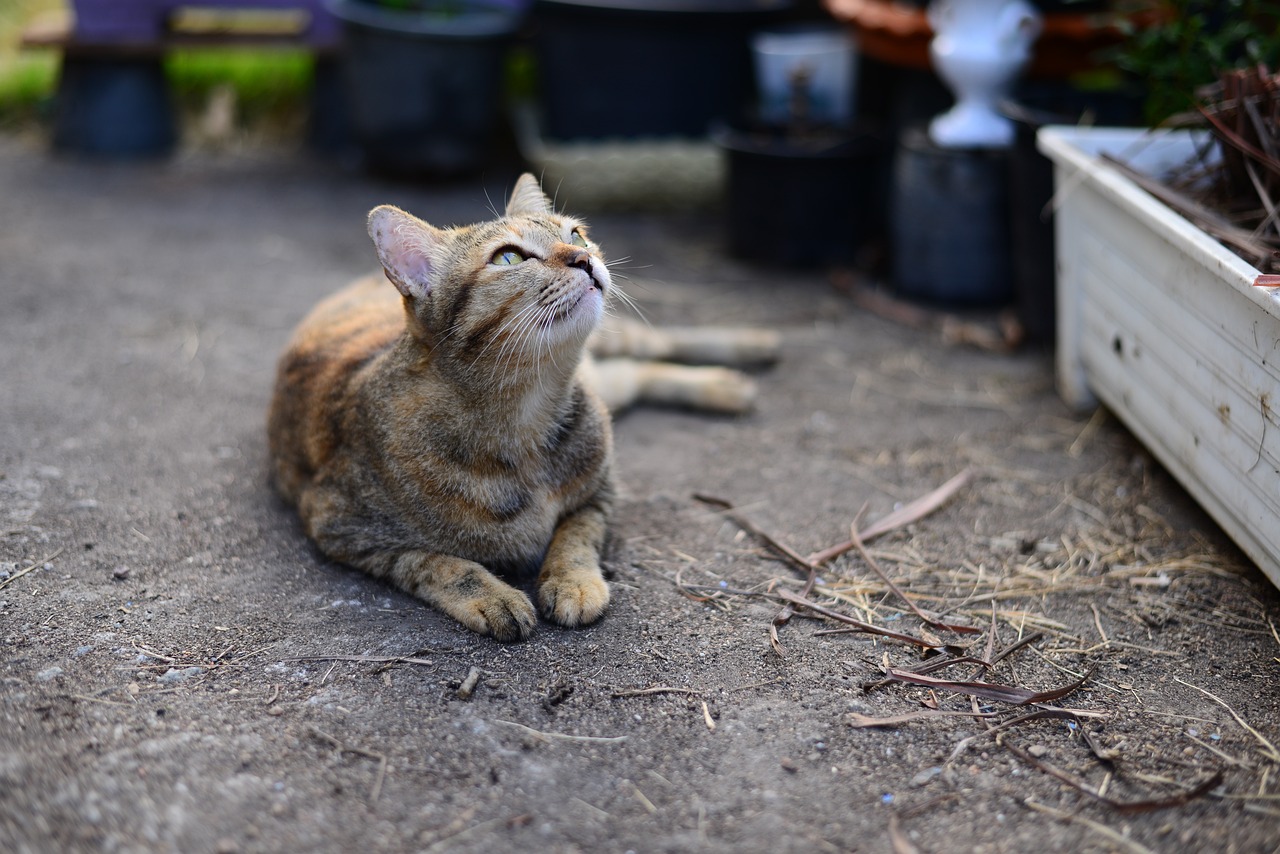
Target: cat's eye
506,256
578,239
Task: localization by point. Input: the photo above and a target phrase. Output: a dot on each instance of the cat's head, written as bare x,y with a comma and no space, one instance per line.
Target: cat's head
522,289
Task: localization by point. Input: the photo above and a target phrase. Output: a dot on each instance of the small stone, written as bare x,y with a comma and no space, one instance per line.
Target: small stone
1037,750
788,765
120,573
924,777
276,711
49,674
173,675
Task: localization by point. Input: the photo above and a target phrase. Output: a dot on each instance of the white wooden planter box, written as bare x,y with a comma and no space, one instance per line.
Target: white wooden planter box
1164,325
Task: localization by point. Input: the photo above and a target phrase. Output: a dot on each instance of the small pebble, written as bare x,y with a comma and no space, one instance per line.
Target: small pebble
1037,750
173,676
49,674
788,765
120,573
924,777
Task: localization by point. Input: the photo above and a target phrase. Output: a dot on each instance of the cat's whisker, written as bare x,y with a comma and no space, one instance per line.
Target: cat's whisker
498,335
526,337
623,264
630,303
535,322
512,335
512,343
555,197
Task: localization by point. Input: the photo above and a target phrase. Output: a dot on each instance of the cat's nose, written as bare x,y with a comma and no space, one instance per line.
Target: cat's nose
579,258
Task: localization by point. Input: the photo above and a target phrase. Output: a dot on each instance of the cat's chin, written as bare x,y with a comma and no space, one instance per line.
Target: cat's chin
580,319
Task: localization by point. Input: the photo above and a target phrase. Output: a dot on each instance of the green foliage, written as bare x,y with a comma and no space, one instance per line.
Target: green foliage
272,86
26,84
1192,44
27,79
268,84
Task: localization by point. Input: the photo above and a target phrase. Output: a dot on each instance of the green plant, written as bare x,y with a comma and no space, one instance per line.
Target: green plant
1190,42
27,78
270,86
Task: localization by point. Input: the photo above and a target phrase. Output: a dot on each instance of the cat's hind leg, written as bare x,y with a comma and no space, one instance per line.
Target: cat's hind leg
463,589
623,382
692,345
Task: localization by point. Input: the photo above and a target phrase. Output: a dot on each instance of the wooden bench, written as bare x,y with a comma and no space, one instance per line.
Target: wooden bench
113,98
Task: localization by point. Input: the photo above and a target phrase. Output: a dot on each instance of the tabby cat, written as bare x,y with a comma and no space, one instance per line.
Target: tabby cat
456,431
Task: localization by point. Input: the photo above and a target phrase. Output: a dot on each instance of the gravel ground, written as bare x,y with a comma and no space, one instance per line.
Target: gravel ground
181,671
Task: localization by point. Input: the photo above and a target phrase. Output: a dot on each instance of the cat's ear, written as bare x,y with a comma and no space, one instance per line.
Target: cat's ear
528,198
404,245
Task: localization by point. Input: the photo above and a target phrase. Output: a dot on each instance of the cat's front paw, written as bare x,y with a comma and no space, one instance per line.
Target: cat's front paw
574,599
508,615
488,606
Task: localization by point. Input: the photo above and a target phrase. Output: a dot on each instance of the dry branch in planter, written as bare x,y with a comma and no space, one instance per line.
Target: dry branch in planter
1239,204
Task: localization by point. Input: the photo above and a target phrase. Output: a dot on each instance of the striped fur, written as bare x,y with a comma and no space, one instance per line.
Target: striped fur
440,436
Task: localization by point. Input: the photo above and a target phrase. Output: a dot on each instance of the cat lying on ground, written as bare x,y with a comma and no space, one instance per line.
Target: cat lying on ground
455,431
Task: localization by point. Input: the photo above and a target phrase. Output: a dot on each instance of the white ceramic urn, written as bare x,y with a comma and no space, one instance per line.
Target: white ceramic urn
978,49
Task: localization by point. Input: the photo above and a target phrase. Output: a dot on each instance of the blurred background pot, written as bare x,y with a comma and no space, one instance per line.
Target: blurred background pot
817,63
801,199
644,68
423,81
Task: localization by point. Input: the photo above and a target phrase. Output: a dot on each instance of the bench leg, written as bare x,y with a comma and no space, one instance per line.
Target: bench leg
114,107
329,132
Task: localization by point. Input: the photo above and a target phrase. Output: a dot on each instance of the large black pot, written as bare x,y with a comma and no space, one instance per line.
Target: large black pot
802,201
423,90
949,221
645,68
1031,189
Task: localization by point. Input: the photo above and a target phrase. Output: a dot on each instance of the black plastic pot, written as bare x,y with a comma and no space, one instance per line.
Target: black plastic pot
802,201
1031,189
423,90
633,68
949,223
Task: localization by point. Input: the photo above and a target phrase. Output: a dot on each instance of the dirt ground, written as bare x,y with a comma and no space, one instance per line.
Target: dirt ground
181,671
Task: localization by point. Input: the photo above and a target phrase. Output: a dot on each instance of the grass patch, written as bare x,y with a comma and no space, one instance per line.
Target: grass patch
271,86
27,78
